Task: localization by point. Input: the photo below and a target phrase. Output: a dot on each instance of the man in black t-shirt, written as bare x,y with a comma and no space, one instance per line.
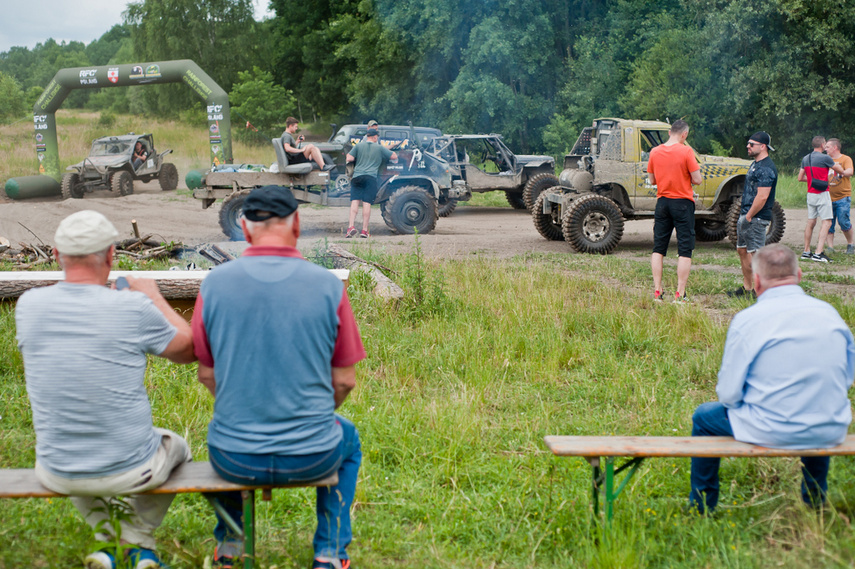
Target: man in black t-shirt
758,197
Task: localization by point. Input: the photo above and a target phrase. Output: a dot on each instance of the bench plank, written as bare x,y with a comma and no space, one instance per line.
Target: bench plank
187,478
679,447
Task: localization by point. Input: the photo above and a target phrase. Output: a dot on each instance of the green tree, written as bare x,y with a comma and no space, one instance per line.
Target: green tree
221,36
256,99
12,100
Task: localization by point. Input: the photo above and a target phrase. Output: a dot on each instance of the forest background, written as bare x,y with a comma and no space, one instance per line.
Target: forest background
535,71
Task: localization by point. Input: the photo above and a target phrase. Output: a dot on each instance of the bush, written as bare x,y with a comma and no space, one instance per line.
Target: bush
12,101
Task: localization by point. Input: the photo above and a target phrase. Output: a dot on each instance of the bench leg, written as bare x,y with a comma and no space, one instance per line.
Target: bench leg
604,481
248,528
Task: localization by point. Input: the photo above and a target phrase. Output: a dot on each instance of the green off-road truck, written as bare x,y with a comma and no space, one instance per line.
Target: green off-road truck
604,183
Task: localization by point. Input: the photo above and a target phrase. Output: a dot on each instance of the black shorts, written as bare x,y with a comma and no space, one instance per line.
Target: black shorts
363,188
673,214
298,158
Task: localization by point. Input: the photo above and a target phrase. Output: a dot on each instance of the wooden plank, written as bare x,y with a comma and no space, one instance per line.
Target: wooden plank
187,478
173,285
679,446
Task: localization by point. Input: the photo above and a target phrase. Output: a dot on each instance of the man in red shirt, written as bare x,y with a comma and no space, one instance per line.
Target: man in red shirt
673,169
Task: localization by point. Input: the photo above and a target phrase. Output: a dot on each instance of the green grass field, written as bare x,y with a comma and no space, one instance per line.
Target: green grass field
452,404
463,379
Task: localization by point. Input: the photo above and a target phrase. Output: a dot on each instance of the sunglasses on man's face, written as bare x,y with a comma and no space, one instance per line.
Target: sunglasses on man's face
754,144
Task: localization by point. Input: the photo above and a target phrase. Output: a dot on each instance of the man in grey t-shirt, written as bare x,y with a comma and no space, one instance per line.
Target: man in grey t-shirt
814,171
300,154
369,157
84,348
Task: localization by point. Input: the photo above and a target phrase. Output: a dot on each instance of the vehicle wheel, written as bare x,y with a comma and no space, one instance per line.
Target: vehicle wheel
342,186
230,213
168,177
593,224
710,229
122,183
70,186
447,207
547,224
774,232
515,199
536,185
411,209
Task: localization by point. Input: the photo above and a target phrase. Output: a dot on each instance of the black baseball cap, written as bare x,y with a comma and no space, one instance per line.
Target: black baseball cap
763,138
269,201
372,132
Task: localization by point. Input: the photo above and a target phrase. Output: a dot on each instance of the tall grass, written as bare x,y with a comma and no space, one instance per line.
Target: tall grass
452,407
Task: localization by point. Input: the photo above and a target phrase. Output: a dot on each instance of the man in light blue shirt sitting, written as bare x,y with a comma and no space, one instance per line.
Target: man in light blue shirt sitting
788,363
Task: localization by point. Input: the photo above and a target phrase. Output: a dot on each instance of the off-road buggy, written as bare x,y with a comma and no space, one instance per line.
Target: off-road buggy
110,166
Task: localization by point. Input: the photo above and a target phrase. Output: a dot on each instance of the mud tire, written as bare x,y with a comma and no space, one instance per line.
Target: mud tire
535,186
70,186
707,229
122,183
411,209
775,231
230,213
515,199
547,224
593,224
447,208
168,177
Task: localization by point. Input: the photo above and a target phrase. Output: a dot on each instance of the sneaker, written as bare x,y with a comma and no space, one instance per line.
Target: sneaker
821,258
364,234
227,555
331,564
850,249
829,250
680,299
806,255
658,295
144,559
741,292
100,560
351,232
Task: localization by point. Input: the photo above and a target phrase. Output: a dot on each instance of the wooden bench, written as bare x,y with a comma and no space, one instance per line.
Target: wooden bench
188,478
601,453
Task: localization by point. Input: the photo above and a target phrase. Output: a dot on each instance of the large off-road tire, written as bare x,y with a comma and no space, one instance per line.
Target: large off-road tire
774,232
593,224
515,199
547,224
168,177
536,185
230,213
447,207
707,229
411,209
70,186
122,183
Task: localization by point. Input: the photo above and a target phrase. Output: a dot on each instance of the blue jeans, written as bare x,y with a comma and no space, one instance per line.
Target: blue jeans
840,214
710,419
333,534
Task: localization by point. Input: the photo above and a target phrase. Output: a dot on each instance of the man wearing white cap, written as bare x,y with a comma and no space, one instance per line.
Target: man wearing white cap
84,348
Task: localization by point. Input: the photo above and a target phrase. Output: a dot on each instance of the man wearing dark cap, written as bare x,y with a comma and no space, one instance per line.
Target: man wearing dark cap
84,348
369,157
277,345
758,197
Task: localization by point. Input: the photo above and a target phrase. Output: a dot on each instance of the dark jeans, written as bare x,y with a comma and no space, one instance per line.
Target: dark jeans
710,419
333,534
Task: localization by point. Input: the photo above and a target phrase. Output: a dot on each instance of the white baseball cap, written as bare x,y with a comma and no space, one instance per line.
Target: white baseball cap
83,233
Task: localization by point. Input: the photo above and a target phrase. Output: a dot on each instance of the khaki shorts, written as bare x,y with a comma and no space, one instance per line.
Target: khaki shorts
819,206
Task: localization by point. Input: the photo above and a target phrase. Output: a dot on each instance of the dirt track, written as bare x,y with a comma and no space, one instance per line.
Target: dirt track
495,232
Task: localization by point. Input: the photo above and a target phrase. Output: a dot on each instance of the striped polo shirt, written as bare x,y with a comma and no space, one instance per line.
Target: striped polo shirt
84,349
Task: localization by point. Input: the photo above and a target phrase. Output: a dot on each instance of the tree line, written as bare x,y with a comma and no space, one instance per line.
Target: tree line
536,71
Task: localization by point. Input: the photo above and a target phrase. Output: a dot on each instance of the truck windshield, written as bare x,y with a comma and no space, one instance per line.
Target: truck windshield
107,148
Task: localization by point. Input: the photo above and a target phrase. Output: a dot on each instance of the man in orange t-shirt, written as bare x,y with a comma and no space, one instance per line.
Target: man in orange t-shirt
674,169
